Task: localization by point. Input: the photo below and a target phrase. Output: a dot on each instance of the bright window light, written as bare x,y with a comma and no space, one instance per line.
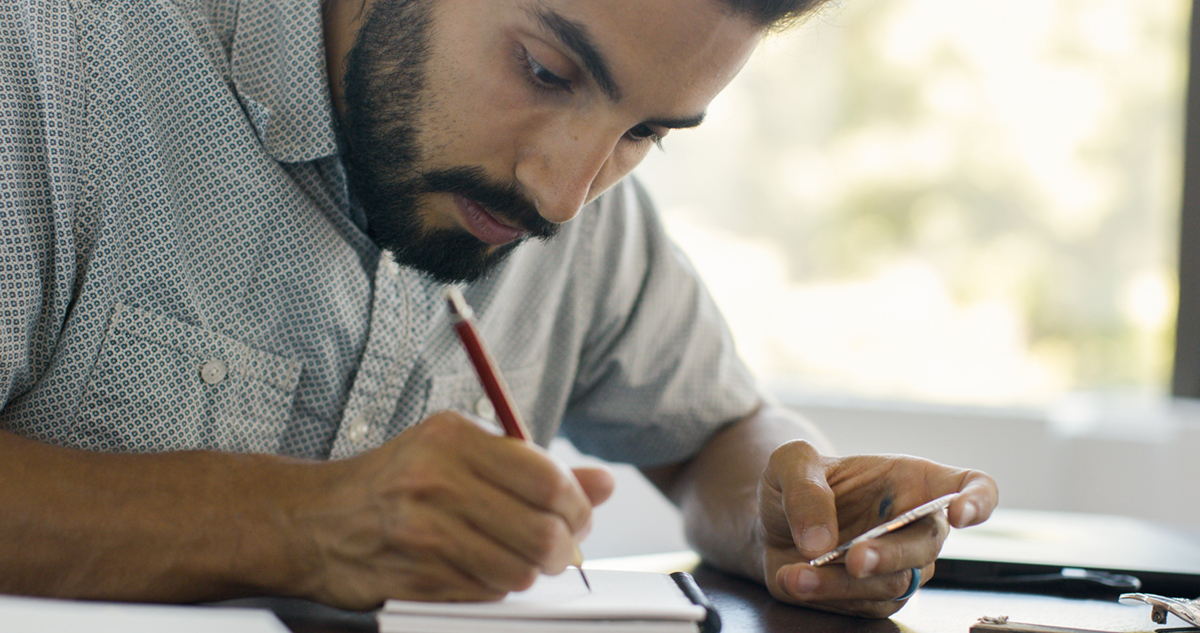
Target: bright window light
970,202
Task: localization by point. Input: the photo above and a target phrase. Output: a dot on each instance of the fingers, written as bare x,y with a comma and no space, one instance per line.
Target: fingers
522,497
532,475
806,584
540,538
869,570
597,483
832,589
794,482
499,561
914,546
854,494
450,511
978,496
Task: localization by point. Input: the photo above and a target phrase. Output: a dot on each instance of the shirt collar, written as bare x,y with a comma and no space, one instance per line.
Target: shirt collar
279,73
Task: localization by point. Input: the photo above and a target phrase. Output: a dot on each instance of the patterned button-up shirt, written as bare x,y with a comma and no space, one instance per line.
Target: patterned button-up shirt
180,266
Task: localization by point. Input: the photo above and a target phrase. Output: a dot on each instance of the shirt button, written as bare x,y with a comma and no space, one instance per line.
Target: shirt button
213,371
484,409
358,429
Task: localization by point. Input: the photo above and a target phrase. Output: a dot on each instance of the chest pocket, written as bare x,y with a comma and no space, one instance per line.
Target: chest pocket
462,392
159,384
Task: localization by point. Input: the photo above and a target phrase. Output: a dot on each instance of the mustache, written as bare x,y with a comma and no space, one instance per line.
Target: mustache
502,199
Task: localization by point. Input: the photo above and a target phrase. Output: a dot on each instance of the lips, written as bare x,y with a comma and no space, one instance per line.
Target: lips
483,225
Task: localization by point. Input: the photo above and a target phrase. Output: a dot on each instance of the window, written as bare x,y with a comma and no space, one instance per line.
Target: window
970,202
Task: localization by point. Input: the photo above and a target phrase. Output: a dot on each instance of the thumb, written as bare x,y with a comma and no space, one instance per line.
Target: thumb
806,502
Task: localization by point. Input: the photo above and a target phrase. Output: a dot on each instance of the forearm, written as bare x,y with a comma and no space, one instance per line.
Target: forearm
717,490
178,527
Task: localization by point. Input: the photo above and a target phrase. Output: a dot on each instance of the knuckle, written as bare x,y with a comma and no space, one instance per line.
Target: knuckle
553,490
446,426
555,487
546,534
941,528
897,583
791,451
425,485
420,534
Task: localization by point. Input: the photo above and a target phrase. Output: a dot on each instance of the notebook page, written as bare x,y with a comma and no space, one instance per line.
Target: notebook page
614,595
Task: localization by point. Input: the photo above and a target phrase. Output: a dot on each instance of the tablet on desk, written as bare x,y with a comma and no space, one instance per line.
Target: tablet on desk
1071,553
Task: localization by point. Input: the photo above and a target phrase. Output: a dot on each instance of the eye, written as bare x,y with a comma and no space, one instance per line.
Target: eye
541,77
644,133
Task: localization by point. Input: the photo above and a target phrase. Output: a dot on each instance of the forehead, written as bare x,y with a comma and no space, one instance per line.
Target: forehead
687,49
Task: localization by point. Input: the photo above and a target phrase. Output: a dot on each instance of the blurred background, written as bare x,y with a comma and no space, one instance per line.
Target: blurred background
952,229
969,202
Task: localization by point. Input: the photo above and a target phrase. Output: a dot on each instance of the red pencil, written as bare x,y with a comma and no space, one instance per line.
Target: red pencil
493,383
489,375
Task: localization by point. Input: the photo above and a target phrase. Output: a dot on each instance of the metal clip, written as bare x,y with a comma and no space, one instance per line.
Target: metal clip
1187,610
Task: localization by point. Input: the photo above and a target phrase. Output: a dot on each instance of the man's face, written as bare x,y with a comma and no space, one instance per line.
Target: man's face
473,124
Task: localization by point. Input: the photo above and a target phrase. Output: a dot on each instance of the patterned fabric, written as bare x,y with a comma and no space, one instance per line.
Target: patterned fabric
180,267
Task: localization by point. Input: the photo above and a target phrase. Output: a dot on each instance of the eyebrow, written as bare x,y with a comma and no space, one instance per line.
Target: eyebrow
575,36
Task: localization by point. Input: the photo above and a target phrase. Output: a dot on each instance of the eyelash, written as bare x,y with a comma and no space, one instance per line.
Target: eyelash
650,136
540,78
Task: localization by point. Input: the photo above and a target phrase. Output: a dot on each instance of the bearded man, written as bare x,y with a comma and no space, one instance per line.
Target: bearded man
225,365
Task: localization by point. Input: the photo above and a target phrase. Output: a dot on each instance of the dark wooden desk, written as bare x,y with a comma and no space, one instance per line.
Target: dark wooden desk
746,607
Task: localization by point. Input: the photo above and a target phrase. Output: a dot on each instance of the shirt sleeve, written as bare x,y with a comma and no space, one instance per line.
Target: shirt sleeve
659,373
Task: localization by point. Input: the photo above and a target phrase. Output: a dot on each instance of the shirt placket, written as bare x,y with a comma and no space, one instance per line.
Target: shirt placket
387,363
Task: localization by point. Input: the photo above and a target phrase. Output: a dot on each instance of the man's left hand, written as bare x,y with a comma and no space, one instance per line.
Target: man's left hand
809,503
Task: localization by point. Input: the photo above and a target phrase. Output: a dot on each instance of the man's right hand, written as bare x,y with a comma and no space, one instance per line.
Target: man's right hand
445,511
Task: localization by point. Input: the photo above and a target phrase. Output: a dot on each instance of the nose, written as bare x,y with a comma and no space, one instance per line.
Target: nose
561,170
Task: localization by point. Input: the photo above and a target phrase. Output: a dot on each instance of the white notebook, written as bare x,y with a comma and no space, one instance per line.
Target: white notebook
624,601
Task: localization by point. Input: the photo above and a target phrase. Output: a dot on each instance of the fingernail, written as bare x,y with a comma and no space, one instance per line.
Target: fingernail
870,561
967,515
816,539
807,581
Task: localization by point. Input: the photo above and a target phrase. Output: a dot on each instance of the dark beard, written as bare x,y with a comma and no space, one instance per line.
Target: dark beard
384,87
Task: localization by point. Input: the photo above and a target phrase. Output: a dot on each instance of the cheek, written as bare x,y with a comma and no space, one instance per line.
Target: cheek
479,118
461,128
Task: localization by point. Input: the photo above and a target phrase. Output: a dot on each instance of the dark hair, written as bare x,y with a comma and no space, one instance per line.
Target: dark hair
773,14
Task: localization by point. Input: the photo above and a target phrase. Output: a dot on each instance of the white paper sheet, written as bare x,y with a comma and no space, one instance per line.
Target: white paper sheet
38,615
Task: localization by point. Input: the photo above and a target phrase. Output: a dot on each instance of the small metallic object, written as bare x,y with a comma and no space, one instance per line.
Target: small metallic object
891,526
1001,624
1187,610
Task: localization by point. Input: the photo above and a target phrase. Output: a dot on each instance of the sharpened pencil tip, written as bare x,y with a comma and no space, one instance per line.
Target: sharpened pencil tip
577,563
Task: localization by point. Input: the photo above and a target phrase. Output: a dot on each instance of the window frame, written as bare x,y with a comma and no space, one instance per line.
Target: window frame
1185,378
